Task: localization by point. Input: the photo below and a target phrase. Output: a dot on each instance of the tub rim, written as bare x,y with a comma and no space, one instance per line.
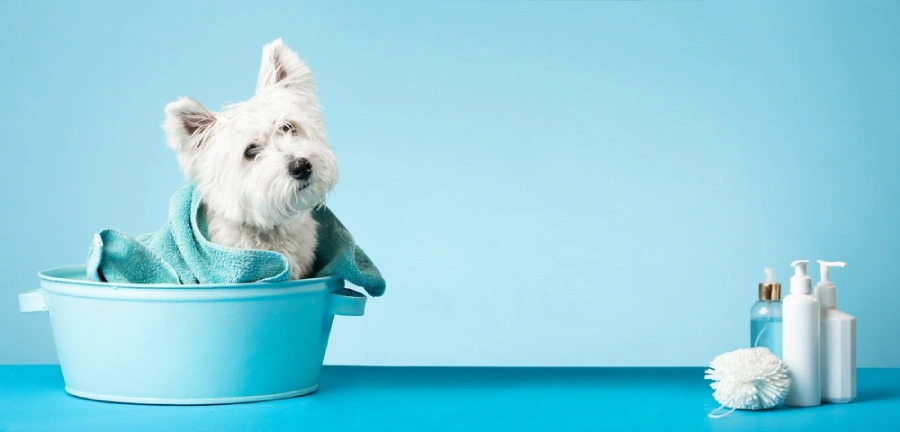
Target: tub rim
63,281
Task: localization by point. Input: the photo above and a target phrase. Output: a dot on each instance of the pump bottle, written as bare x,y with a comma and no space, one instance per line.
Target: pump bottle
838,342
765,315
800,323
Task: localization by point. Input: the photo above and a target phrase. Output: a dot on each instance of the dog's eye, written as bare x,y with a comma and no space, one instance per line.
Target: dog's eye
287,128
251,151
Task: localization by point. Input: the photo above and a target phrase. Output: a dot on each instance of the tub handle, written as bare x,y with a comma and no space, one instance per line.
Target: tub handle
33,301
346,302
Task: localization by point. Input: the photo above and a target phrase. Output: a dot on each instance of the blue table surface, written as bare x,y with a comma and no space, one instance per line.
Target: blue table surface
433,399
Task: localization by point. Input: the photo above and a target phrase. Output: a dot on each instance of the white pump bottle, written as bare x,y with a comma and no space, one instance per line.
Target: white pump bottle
800,330
838,340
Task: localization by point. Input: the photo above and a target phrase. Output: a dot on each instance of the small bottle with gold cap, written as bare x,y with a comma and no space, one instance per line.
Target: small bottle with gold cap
765,315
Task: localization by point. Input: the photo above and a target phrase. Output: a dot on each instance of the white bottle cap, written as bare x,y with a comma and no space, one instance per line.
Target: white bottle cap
825,289
800,282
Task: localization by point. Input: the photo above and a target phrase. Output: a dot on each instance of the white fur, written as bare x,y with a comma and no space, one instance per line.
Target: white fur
256,203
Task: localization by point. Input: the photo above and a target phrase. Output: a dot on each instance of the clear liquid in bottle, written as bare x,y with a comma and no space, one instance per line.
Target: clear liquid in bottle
765,326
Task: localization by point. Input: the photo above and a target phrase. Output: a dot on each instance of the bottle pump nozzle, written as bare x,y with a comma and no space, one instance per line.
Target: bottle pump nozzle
769,290
825,289
770,275
825,265
800,283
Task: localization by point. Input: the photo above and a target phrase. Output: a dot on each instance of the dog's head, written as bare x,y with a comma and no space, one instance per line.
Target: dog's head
263,161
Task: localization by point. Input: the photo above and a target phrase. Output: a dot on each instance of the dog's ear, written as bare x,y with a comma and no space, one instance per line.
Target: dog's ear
187,123
281,67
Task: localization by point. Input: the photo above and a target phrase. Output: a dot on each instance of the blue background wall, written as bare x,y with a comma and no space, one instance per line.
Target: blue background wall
591,183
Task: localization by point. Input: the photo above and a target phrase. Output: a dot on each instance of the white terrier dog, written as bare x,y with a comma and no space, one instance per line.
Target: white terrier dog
261,165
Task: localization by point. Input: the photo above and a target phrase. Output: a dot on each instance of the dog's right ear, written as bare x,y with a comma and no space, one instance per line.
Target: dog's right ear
281,67
187,123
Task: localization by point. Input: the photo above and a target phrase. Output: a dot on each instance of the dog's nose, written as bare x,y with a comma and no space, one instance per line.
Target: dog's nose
300,169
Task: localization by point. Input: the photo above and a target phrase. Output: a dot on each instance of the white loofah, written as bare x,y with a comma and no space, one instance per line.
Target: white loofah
749,378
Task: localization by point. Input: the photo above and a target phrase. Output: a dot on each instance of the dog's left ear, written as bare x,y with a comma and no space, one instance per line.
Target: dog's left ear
187,122
281,67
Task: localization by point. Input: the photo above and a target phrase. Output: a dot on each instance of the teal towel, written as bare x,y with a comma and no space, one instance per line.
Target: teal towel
180,253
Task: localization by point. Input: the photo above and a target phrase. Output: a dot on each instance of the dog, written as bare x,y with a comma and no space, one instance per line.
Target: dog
260,166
